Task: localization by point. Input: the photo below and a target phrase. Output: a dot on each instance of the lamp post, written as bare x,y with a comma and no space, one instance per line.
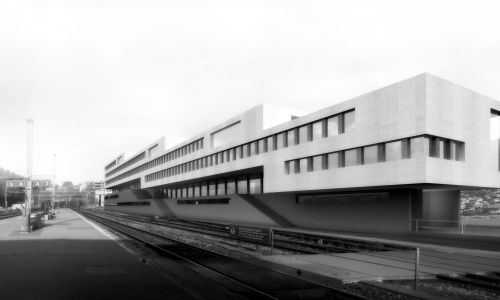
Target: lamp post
29,173
54,185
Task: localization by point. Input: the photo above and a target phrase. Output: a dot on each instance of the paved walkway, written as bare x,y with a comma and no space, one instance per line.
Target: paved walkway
69,258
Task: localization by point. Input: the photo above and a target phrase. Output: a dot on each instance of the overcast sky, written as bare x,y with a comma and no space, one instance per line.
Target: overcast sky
103,77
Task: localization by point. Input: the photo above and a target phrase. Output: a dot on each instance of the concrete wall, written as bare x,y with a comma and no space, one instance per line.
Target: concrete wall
389,215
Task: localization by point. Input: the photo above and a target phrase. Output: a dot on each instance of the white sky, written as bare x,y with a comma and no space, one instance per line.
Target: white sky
103,77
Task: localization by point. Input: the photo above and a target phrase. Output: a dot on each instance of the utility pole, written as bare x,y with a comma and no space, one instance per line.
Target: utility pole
6,190
54,185
30,173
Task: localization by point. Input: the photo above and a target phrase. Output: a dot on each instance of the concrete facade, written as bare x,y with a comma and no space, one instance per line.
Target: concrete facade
399,149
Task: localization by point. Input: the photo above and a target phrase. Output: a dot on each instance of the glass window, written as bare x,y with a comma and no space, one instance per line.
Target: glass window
287,167
280,140
245,150
231,186
272,142
242,185
212,187
393,151
370,154
255,185
324,161
234,153
204,189
303,134
261,145
460,151
216,158
296,166
406,149
447,149
333,126
254,150
333,160
317,130
196,190
434,147
184,192
291,137
221,187
190,191
352,157
303,165
317,163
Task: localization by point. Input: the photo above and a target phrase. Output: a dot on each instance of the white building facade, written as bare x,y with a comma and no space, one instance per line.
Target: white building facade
372,163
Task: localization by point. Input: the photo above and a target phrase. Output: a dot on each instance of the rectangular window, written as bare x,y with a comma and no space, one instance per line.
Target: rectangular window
245,150
240,151
231,186
405,148
317,130
285,140
287,167
317,162
460,151
333,126
221,187
204,189
296,166
280,140
260,146
447,149
190,192
303,165
254,148
434,147
352,157
216,158
381,152
197,190
303,134
275,142
242,185
266,144
324,162
212,188
393,151
234,153
292,139
255,186
333,160
370,154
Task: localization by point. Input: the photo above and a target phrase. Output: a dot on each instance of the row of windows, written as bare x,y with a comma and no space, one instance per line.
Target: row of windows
395,150
112,164
203,201
335,199
244,184
446,149
330,126
194,146
128,163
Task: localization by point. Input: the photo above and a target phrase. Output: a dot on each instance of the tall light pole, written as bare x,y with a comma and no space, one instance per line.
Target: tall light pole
29,173
54,184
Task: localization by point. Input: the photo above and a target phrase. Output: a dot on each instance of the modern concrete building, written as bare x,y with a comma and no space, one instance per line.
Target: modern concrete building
372,163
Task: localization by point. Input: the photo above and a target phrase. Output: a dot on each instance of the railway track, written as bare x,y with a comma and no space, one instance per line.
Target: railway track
246,279
304,243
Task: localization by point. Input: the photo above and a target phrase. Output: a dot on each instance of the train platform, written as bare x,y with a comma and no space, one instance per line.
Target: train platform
440,253
71,258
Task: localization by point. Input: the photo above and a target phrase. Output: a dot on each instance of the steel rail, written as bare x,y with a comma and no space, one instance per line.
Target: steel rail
338,293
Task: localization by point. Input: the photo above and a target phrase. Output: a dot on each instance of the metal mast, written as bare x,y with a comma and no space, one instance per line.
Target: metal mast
54,184
29,173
